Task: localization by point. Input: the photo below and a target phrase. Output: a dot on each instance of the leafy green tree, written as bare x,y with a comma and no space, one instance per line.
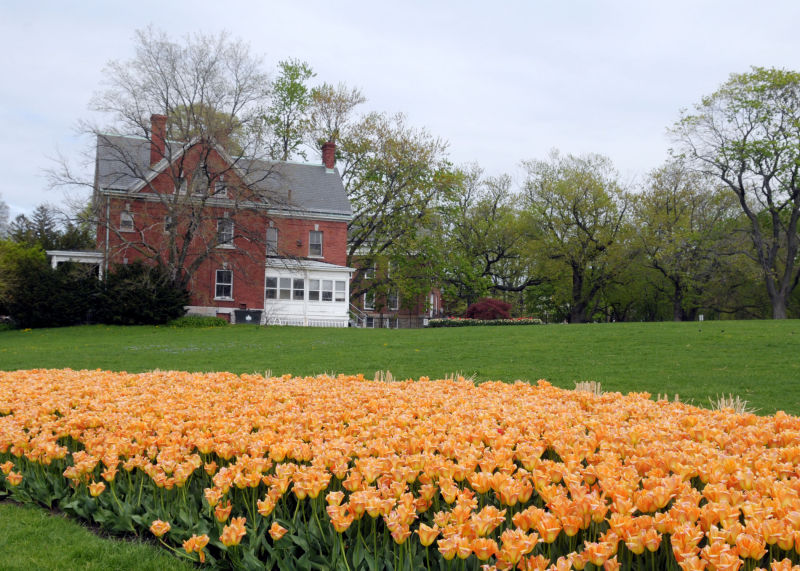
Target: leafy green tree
396,177
14,257
747,133
683,222
286,115
50,229
486,240
577,211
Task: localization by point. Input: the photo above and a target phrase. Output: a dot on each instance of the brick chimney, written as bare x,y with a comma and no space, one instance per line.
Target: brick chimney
329,154
158,137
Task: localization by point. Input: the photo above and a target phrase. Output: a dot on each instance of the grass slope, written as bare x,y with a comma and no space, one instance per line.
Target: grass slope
758,360
30,538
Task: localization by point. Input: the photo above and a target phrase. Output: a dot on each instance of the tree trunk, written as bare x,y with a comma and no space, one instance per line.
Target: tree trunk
779,307
577,310
677,306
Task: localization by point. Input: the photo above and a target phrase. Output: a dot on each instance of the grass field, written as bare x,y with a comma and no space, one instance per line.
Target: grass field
758,360
31,538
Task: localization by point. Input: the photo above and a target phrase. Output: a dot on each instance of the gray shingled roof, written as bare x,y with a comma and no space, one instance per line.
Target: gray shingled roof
124,162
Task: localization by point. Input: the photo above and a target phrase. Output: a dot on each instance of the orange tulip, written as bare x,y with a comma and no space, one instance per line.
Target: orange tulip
233,533
276,531
159,528
427,534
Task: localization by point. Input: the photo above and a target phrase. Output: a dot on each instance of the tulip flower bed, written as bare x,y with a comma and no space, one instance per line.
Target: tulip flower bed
348,473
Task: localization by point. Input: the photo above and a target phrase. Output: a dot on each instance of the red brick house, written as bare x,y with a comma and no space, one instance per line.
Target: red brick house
387,308
253,240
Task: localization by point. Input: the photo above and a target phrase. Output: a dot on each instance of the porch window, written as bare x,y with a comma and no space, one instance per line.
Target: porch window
224,285
339,293
327,290
298,288
285,291
272,288
313,290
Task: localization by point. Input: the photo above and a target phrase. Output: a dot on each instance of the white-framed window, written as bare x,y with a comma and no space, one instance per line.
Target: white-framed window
369,273
393,300
126,222
315,243
272,241
225,232
371,322
369,300
285,288
223,288
340,291
313,290
272,287
327,290
298,288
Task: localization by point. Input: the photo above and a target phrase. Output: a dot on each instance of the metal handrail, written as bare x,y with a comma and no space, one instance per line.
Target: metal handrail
358,316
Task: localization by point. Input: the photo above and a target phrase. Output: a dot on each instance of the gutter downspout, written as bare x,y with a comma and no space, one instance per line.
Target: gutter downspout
108,216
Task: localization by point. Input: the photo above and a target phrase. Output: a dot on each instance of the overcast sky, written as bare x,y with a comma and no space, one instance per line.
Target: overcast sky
500,81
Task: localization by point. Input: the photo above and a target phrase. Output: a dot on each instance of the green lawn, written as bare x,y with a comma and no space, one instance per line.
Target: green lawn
31,538
758,360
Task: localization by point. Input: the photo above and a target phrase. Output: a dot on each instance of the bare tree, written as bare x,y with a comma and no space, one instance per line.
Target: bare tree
187,141
330,111
4,211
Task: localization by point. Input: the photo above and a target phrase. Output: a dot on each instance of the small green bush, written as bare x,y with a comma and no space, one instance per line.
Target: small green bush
198,321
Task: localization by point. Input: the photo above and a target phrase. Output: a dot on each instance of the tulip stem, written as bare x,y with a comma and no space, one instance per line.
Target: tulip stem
341,546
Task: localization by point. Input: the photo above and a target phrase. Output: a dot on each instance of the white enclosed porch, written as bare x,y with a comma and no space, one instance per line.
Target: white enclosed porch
306,293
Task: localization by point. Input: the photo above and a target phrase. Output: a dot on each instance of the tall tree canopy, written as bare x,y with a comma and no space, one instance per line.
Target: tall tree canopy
395,176
684,223
577,208
747,133
286,115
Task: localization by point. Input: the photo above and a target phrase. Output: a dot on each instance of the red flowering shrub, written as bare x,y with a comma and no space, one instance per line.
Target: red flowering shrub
488,308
